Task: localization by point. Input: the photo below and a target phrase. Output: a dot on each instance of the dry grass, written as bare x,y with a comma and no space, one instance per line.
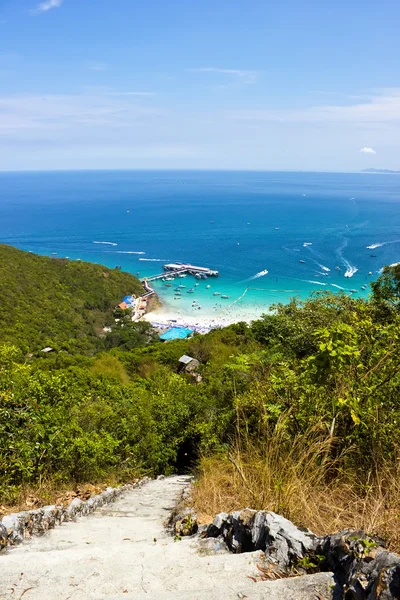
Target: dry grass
299,482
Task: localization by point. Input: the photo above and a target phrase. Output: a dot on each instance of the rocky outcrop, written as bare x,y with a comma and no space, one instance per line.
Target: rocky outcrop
248,530
16,527
363,568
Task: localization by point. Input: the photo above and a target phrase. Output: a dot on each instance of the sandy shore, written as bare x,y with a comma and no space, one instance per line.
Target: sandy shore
201,320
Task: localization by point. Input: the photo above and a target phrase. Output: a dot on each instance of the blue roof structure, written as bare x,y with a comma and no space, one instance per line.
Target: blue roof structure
128,299
176,333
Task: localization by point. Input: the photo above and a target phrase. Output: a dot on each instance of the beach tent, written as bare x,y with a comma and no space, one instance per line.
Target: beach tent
176,333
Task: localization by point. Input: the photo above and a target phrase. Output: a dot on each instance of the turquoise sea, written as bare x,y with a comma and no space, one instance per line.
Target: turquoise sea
240,223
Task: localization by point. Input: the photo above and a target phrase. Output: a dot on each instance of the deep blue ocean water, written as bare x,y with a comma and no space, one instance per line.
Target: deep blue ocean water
240,223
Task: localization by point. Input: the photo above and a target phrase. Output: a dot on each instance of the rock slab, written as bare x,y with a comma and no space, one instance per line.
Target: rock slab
363,569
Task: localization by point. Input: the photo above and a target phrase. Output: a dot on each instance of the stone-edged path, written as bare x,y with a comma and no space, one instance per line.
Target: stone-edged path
124,552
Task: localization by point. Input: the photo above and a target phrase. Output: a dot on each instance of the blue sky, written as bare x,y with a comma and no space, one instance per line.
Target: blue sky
222,84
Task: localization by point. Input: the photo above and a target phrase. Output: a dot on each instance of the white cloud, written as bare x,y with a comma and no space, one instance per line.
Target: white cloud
379,108
96,66
48,5
139,94
248,76
20,114
367,150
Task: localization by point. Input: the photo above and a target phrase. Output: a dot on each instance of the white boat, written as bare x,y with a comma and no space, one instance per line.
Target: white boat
224,296
216,293
208,287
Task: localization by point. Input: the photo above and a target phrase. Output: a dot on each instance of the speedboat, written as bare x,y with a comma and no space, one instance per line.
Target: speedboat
223,296
302,261
208,287
191,291
216,293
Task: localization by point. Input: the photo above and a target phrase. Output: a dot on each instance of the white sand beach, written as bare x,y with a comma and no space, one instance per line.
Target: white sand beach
203,319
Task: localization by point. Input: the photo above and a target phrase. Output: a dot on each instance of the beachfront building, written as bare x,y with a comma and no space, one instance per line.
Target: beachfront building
188,364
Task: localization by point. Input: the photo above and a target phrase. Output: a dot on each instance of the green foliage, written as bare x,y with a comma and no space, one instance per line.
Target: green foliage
330,364
56,302
386,292
128,335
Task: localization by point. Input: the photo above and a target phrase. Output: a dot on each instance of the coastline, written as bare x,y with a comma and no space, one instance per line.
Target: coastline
165,317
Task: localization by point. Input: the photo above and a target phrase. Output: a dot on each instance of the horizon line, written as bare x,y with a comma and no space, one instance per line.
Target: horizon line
193,169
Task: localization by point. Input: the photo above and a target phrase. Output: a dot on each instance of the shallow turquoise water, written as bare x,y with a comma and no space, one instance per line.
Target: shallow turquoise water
240,223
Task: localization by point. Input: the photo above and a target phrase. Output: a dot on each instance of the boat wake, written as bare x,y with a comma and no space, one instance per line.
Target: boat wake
257,275
338,286
351,270
106,243
128,252
379,244
154,259
323,268
316,282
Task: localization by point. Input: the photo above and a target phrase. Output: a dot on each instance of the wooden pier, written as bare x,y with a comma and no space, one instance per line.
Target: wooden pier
183,269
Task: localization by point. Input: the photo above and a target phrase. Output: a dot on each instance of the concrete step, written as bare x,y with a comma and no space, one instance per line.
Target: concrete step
307,587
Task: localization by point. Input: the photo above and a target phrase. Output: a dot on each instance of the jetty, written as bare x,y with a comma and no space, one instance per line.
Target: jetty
184,269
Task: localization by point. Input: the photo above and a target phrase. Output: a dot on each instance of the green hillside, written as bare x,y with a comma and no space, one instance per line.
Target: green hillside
56,302
298,412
